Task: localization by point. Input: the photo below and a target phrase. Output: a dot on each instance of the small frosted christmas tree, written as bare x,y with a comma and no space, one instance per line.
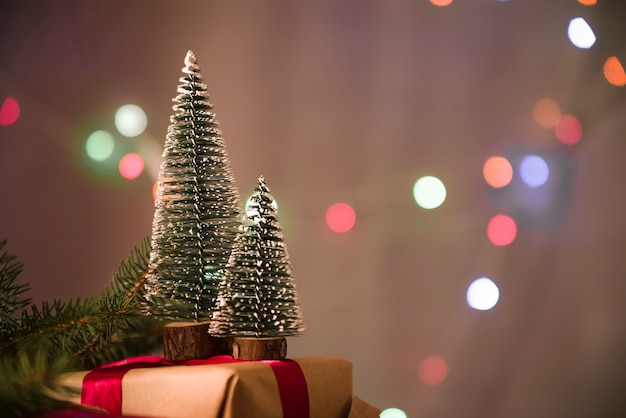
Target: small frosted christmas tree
258,304
197,215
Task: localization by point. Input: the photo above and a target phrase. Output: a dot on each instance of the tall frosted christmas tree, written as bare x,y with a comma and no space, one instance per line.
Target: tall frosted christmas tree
258,303
197,214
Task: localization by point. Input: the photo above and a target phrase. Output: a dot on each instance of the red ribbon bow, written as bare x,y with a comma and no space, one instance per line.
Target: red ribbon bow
102,387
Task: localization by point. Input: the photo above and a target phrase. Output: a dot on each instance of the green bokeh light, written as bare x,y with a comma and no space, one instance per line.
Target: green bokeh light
100,145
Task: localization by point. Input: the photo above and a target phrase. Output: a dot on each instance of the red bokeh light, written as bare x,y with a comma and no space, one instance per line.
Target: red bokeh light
501,230
432,370
568,130
131,166
9,111
340,217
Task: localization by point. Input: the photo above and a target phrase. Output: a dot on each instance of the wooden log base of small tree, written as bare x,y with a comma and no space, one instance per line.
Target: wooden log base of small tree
273,348
191,340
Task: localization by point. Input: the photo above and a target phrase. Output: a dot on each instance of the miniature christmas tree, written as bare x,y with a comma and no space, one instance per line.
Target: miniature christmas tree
196,219
258,304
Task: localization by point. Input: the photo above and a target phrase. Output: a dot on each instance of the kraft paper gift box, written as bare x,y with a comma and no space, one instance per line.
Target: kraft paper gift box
321,388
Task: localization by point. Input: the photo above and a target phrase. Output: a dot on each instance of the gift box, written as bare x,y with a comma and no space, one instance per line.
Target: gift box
221,387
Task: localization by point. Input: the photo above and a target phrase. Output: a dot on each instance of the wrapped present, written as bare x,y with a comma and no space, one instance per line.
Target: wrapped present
220,387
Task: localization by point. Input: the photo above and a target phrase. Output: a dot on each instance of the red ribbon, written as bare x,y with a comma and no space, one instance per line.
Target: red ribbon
294,395
102,387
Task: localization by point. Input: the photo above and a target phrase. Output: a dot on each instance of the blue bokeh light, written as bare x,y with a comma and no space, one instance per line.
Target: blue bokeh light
534,170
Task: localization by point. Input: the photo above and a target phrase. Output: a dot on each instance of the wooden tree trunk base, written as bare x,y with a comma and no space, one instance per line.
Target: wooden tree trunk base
191,340
274,348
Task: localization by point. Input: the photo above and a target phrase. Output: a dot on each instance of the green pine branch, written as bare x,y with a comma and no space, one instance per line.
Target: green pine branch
12,298
26,382
62,336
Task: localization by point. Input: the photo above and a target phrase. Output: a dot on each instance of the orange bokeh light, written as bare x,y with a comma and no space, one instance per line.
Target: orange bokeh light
546,112
614,72
441,2
497,172
588,2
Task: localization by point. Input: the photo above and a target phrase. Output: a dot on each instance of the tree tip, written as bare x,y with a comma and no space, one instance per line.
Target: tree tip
190,58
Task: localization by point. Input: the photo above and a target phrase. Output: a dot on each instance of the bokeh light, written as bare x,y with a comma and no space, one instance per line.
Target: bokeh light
568,130
429,192
580,33
482,294
340,217
393,413
253,212
497,172
130,120
501,230
155,188
432,370
614,71
9,112
131,166
546,112
534,170
588,2
441,3
100,145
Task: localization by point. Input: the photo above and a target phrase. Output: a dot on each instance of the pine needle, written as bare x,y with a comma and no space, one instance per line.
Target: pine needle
57,336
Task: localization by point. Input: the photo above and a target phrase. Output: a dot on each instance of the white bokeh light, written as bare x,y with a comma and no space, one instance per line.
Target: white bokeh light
130,120
250,211
580,33
429,192
393,413
482,294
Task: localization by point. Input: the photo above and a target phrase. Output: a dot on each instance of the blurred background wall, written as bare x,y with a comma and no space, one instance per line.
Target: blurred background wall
354,101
